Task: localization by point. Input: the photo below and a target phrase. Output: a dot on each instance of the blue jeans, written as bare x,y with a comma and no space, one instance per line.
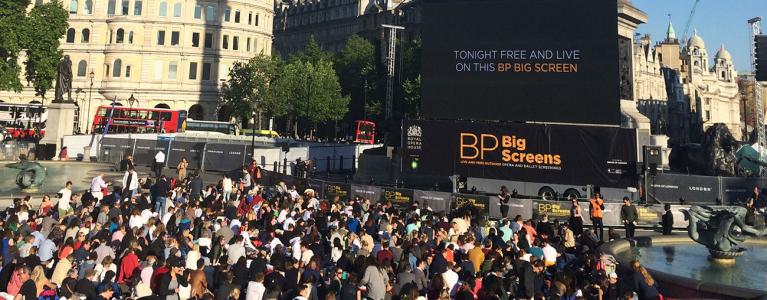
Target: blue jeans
159,205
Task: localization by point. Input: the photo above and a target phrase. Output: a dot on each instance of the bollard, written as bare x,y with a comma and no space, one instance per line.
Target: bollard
285,165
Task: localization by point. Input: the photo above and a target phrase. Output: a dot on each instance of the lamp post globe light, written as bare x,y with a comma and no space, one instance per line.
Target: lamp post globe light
90,95
131,100
253,137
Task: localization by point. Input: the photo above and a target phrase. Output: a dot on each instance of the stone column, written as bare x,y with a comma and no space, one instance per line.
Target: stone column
60,122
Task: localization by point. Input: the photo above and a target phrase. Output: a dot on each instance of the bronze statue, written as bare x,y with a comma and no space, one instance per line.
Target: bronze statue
720,229
714,156
64,81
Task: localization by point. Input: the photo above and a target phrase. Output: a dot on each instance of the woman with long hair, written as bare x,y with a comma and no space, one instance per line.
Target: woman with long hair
644,285
41,282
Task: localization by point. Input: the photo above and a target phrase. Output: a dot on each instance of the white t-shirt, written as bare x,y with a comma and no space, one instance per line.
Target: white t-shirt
66,194
550,254
159,157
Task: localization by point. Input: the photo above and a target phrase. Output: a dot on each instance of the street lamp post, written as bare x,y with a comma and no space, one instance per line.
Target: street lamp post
132,100
308,96
90,95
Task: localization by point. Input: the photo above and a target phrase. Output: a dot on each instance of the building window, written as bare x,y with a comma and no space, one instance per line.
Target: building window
247,45
161,37
73,7
208,40
198,12
70,35
226,42
192,70
125,7
120,36
130,37
256,19
177,9
163,11
82,68
137,6
195,39
117,69
127,71
174,37
85,36
250,18
205,71
237,16
226,14
111,7
236,43
172,69
210,13
88,9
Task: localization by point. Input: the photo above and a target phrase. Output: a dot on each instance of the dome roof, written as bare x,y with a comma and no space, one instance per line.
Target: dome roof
696,41
723,54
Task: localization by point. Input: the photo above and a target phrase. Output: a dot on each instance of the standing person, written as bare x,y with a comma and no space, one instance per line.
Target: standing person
596,205
126,163
181,168
629,217
245,181
668,219
504,197
66,195
226,187
376,280
576,216
130,183
161,188
97,184
159,163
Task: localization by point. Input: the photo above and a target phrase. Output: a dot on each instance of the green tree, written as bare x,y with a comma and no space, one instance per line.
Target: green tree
44,26
312,53
411,90
249,88
355,66
12,17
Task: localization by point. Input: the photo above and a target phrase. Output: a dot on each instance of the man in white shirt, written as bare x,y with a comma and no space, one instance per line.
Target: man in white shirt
451,280
159,163
66,196
549,254
256,288
130,183
97,184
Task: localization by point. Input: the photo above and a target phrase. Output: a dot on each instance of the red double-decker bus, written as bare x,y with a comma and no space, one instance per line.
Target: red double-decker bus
139,120
366,132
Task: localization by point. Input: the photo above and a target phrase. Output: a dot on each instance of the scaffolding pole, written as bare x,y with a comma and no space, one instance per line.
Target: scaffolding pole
391,59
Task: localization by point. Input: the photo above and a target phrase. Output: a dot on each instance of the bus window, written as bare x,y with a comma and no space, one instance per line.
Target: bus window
102,112
133,114
143,114
165,116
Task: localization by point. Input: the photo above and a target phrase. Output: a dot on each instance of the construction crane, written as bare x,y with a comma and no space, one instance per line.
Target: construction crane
689,20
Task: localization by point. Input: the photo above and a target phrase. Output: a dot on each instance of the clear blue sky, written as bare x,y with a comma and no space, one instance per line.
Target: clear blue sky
717,21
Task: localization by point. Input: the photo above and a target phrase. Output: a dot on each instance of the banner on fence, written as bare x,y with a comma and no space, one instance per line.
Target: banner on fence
438,201
190,150
398,197
342,190
224,157
694,189
372,193
479,205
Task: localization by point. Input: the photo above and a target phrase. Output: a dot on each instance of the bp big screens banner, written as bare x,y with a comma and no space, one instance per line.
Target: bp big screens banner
521,60
580,155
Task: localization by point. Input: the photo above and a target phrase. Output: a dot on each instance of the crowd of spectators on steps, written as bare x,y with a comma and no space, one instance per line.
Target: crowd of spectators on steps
179,238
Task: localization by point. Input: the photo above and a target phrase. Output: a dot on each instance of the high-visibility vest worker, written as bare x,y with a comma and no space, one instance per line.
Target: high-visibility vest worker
595,208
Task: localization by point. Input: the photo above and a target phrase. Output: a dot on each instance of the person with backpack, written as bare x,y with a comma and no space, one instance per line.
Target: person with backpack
596,208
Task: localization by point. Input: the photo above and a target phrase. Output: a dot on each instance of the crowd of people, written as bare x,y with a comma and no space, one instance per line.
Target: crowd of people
177,237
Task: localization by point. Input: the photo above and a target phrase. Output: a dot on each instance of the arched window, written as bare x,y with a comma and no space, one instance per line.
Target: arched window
120,36
73,7
177,9
70,35
88,7
85,36
130,37
117,69
163,10
127,71
82,68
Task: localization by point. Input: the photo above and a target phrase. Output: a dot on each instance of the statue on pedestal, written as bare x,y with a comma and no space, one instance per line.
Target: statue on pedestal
64,81
721,229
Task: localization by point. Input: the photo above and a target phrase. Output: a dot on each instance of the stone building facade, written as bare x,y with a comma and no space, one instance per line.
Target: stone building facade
166,53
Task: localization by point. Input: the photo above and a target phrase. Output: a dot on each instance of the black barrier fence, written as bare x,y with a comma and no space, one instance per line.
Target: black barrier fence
480,205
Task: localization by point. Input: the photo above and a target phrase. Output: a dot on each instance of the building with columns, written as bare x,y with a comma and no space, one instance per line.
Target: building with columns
166,53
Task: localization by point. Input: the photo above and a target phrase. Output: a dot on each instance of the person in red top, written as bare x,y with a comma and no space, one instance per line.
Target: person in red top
129,267
384,255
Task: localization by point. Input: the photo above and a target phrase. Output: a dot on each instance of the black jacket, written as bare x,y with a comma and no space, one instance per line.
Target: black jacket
526,280
164,281
86,287
161,188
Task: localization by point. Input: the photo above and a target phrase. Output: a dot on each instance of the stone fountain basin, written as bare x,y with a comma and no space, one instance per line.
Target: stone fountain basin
58,173
683,269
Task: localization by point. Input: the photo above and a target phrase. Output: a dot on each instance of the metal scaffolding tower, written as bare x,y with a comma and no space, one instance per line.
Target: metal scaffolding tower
756,30
390,65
